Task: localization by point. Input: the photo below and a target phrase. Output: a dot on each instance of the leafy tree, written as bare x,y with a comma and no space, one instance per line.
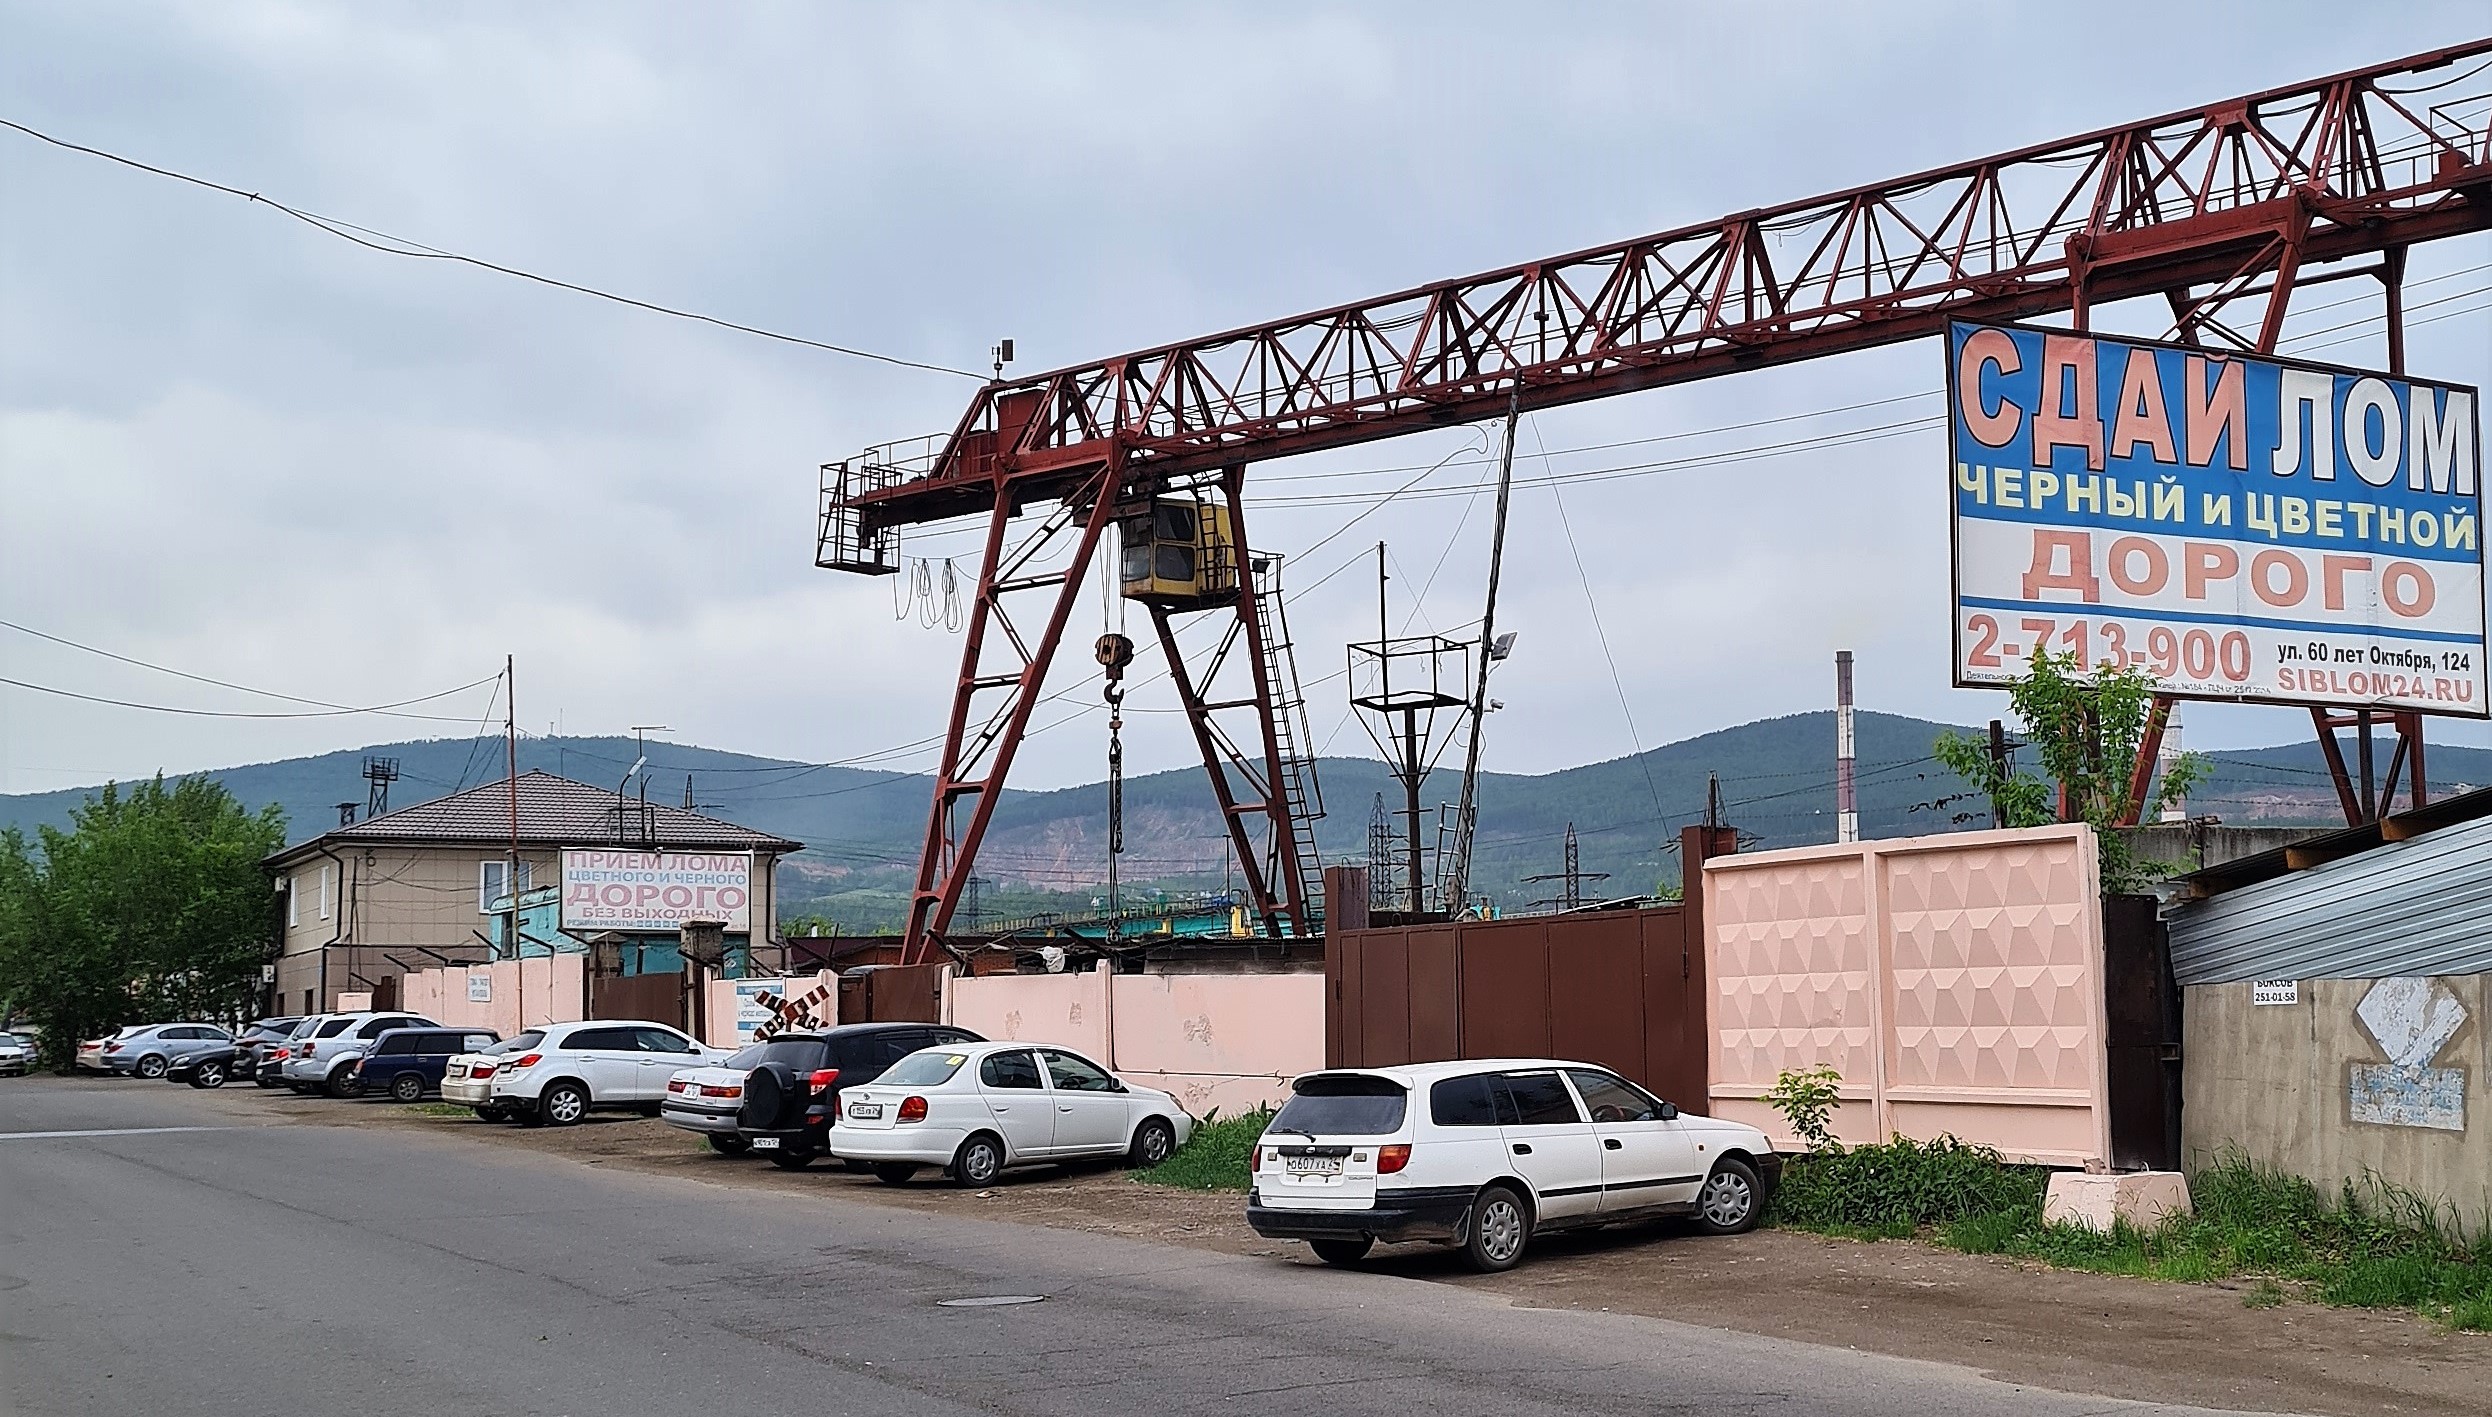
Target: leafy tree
154,907
2087,728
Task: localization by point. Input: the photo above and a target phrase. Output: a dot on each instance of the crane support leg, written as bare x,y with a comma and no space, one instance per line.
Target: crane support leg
1001,674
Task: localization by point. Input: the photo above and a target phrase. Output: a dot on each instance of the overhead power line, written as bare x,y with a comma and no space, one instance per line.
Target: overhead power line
233,713
387,244
225,684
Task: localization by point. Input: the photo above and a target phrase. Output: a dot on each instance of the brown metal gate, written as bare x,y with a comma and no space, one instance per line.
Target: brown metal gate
1622,988
658,998
892,993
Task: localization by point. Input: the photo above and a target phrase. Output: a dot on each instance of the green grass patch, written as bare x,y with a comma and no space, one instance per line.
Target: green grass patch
2372,1246
441,1109
1218,1157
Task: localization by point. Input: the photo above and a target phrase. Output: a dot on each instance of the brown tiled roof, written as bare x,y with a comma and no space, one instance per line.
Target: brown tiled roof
553,811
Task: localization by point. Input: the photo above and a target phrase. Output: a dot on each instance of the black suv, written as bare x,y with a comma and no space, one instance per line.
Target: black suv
792,1095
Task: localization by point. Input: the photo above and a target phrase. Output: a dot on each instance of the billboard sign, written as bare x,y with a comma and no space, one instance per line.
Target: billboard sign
655,890
2240,527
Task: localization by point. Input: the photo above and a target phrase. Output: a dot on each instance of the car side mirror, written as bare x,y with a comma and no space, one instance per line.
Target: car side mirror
1118,1085
1669,1112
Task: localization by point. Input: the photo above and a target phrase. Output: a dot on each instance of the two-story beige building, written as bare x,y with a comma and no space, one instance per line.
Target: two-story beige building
426,885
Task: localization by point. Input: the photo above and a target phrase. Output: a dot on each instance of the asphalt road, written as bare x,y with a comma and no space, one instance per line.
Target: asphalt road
256,1268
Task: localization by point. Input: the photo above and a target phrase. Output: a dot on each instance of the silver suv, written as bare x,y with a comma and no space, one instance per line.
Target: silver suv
322,1055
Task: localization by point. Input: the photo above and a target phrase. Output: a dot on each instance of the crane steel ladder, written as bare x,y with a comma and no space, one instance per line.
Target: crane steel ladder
1301,793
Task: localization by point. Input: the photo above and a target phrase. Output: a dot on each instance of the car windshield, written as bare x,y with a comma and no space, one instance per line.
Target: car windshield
1343,1105
518,1042
930,1067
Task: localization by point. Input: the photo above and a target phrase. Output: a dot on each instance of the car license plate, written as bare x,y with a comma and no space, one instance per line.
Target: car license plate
1312,1165
865,1109
765,1143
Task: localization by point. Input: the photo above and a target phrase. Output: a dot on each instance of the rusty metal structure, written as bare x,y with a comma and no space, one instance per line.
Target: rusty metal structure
2223,210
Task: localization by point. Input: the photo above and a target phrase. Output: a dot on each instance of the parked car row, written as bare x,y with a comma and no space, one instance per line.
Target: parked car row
1479,1155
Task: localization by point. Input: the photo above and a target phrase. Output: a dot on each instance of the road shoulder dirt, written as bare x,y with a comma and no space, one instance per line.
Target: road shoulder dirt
2074,1332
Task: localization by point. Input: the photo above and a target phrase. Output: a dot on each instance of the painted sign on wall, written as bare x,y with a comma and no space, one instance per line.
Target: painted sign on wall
2411,1019
750,1013
655,890
2240,527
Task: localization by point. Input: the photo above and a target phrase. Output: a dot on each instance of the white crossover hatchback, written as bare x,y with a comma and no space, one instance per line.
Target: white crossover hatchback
976,1108
1485,1153
555,1074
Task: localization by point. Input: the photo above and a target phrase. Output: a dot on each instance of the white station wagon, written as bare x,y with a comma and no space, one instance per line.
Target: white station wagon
977,1108
1485,1153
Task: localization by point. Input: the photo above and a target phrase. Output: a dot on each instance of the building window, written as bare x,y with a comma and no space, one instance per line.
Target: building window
291,913
324,892
489,887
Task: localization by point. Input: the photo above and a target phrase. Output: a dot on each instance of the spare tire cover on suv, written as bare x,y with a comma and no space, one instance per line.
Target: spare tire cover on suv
767,1092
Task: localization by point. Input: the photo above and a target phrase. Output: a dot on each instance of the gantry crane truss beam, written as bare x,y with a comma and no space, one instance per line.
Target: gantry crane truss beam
2222,197
2360,162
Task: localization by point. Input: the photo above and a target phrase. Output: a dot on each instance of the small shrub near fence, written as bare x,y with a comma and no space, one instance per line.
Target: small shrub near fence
1896,1189
1218,1157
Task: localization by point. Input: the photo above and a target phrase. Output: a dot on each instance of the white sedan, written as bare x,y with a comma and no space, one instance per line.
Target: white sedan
976,1108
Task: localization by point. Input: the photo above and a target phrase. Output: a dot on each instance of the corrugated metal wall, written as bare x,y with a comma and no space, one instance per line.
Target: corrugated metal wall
2416,907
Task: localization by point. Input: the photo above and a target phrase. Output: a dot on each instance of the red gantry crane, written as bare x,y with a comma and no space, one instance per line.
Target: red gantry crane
2223,210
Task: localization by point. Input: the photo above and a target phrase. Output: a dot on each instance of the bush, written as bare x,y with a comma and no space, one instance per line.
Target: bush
1906,1184
1218,1157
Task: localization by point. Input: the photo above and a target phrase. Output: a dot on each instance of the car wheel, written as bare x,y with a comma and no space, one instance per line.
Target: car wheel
1342,1251
1728,1203
151,1066
343,1084
1153,1141
563,1104
208,1075
979,1161
793,1160
894,1173
726,1145
1500,1227
407,1087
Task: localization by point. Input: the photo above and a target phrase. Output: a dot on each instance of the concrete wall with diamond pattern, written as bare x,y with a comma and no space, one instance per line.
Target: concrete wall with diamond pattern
1954,981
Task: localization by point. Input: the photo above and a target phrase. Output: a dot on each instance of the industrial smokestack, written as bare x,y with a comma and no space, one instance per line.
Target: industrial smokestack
2176,810
1846,809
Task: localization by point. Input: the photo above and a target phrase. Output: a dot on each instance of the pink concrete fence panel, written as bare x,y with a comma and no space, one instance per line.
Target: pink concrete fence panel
539,990
1956,983
1229,1042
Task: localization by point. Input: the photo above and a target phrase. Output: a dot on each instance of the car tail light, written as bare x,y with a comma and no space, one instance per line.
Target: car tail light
1390,1159
112,1047
527,1060
480,1070
675,1084
1261,1154
726,1090
912,1109
834,1106
284,1053
824,1077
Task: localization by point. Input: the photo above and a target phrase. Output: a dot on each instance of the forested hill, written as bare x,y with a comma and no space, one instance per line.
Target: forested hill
863,827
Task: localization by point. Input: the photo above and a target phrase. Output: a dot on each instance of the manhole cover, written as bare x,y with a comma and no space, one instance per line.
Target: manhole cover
989,1301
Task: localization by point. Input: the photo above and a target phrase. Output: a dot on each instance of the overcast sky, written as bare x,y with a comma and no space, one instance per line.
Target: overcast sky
234,445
